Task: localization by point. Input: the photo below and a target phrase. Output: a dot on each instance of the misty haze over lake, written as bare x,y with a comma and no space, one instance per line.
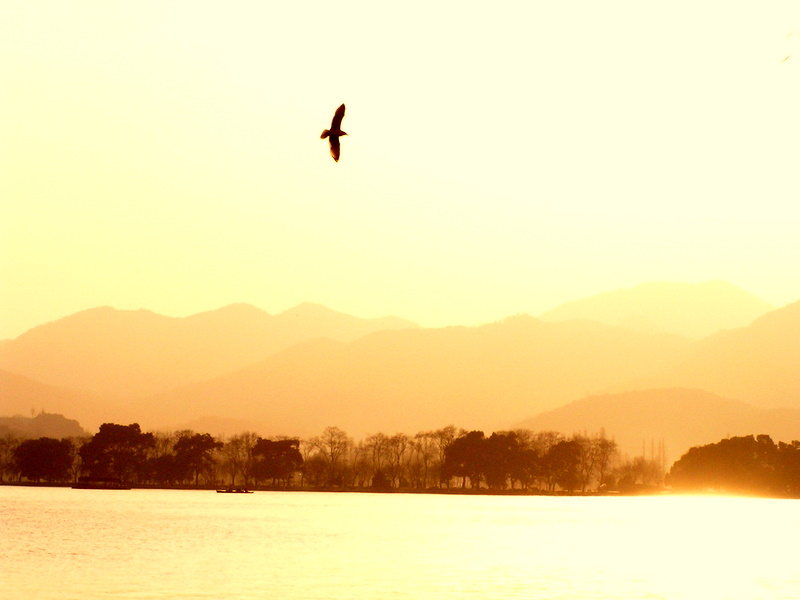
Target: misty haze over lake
169,544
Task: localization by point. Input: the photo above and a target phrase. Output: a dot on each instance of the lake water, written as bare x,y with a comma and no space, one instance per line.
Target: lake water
59,543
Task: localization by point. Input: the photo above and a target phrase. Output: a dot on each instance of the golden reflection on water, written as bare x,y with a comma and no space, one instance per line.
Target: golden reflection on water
169,545
703,547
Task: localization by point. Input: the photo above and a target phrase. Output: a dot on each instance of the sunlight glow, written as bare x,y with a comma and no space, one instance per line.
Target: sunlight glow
685,559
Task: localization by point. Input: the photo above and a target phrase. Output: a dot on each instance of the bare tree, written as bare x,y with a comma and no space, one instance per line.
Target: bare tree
425,453
542,442
444,437
77,462
524,470
640,471
397,447
586,459
361,465
8,443
238,454
378,451
333,445
307,448
605,452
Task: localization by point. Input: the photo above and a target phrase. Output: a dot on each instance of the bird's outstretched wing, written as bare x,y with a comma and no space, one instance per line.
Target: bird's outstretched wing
334,139
336,124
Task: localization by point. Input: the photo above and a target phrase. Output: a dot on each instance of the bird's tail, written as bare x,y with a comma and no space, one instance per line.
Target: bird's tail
324,134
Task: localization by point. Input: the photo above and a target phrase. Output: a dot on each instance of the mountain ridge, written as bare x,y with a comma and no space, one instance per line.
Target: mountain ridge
310,367
680,417
41,425
693,310
757,363
412,379
121,355
19,395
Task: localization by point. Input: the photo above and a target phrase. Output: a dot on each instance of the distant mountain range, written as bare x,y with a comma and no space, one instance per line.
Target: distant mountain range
124,354
407,380
680,417
693,310
758,363
300,371
41,425
21,395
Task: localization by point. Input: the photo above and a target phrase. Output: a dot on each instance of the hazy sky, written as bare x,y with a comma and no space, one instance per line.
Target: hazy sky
503,157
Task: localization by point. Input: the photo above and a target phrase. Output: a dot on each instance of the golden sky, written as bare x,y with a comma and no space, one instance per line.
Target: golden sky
503,157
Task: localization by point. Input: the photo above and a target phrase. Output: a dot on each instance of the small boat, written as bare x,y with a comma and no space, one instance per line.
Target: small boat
234,490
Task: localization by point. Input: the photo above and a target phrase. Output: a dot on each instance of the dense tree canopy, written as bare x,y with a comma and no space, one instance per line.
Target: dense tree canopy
44,458
276,460
749,464
464,458
194,454
118,451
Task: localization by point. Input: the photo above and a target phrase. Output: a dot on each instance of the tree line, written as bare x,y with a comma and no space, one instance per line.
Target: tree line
446,458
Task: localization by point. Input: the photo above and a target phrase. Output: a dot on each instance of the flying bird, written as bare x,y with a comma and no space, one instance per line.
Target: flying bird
335,132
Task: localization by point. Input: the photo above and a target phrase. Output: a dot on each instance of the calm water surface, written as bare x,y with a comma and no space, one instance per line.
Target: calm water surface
59,543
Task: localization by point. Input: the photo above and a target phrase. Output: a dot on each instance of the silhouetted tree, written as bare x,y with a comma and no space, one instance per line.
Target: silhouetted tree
788,469
523,460
380,481
164,470
332,446
423,458
464,458
639,471
8,468
237,453
351,474
527,467
605,452
502,455
740,464
75,453
376,445
443,438
307,450
541,442
397,448
316,471
376,451
44,458
586,460
194,454
277,460
562,463
161,467
361,467
116,451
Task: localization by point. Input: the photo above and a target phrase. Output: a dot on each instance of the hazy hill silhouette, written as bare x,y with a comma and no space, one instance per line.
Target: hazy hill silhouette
308,368
123,354
757,364
20,395
42,425
407,380
693,310
681,417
